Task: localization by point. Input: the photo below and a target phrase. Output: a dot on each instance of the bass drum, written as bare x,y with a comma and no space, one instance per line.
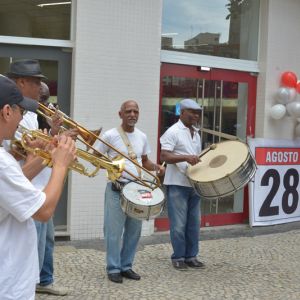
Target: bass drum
140,202
223,170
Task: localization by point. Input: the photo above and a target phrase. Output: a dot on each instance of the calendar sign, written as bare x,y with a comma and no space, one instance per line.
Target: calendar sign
274,190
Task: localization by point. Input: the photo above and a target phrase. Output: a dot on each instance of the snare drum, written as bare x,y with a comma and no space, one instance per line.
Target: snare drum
222,171
140,202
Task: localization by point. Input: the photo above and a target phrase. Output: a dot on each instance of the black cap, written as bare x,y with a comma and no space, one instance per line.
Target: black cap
25,68
10,94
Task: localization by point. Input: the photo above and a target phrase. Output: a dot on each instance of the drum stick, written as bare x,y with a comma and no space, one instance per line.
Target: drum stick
158,170
163,164
221,134
211,147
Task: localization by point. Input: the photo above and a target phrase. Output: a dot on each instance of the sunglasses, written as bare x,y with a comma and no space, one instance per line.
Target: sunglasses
21,109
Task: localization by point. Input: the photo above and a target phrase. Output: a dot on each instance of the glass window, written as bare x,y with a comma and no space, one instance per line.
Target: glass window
226,28
35,18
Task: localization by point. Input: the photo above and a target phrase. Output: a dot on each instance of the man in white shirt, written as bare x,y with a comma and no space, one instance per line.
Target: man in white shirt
122,232
180,146
28,75
20,201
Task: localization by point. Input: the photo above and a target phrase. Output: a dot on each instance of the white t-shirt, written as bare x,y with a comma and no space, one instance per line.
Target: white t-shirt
30,122
19,200
138,141
178,140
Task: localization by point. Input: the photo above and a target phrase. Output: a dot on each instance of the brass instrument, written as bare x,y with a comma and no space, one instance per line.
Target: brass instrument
87,135
114,168
17,149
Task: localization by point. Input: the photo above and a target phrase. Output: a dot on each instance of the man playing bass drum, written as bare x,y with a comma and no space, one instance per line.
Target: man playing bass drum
180,146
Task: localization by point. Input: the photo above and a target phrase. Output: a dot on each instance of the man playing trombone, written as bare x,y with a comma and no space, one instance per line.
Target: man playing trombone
133,143
20,201
27,76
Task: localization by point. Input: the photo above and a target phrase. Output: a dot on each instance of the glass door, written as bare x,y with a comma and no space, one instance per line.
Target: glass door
228,100
56,65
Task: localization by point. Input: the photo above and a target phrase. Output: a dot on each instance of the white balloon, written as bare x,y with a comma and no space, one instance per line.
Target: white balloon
282,95
285,95
293,109
292,94
297,131
277,111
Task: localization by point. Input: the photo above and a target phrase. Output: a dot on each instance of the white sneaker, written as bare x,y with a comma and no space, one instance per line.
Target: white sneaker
52,289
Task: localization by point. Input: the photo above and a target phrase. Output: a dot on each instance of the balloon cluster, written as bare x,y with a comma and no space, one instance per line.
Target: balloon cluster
286,98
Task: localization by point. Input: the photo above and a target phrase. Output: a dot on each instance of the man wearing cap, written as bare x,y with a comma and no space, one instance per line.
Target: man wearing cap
180,146
20,201
27,75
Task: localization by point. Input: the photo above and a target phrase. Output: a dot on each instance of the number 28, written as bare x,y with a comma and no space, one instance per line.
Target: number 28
290,189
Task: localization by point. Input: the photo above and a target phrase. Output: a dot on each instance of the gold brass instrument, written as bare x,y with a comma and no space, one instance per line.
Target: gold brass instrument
87,135
114,168
17,149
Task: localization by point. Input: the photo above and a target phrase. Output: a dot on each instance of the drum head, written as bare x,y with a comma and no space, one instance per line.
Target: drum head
227,157
142,195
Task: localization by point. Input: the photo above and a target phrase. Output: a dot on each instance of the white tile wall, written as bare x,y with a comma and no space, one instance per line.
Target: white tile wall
278,52
116,57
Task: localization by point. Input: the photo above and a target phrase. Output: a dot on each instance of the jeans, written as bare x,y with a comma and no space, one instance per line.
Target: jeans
184,215
45,234
121,233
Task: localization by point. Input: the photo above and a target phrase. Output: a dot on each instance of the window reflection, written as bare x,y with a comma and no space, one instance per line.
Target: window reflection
25,18
226,28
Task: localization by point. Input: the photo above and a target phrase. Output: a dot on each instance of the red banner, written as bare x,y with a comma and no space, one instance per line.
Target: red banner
277,156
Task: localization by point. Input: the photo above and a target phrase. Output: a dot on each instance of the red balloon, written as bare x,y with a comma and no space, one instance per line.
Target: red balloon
289,79
298,87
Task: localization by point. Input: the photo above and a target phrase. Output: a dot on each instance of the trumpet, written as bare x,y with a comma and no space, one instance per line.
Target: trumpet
114,168
88,138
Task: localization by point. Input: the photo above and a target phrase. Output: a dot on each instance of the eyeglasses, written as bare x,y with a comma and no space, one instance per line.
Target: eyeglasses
21,109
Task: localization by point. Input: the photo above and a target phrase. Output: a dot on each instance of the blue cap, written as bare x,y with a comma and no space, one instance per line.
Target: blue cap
10,94
189,104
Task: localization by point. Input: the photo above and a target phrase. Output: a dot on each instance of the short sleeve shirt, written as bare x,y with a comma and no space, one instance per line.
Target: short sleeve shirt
19,200
179,140
138,141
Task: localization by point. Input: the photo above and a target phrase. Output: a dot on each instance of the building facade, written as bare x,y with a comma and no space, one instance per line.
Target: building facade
96,54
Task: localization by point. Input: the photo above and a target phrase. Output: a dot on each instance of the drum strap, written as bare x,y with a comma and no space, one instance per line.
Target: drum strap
131,153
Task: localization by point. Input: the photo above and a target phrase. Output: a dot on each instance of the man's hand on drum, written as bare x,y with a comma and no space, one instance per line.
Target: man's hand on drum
192,159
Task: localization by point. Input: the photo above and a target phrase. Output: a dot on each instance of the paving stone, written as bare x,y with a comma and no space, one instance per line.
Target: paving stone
259,267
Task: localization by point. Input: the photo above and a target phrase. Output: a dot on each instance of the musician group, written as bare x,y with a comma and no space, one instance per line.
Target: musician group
34,161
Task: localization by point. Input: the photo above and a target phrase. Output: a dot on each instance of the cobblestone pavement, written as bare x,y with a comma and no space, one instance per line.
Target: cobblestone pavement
263,266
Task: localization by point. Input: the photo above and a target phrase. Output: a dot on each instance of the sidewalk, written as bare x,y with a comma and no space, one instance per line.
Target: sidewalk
241,263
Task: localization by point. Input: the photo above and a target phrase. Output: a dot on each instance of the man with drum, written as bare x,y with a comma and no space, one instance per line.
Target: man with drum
180,146
133,143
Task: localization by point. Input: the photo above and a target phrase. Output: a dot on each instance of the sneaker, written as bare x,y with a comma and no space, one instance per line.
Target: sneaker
195,263
52,289
180,265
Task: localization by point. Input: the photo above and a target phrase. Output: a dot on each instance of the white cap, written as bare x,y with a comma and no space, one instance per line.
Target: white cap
189,104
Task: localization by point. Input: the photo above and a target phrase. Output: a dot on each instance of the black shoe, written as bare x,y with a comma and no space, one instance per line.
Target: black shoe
195,263
115,277
180,265
130,274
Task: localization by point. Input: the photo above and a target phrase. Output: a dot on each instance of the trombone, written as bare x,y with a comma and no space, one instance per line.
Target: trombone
114,168
88,138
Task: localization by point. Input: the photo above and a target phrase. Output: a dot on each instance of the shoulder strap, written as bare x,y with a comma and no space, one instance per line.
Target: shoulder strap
131,153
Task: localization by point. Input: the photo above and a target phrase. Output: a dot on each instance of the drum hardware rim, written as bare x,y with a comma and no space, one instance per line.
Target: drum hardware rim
145,208
230,192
